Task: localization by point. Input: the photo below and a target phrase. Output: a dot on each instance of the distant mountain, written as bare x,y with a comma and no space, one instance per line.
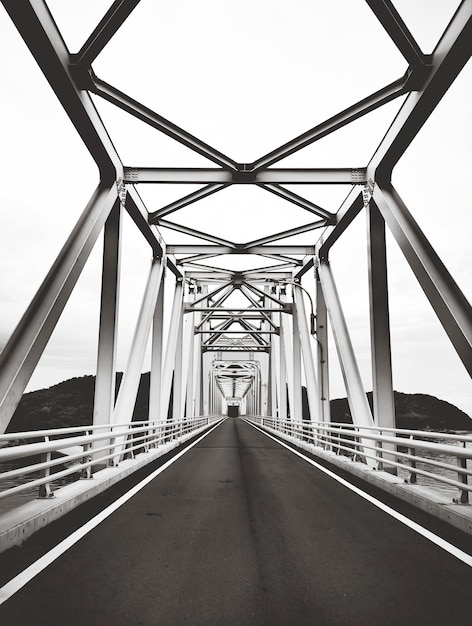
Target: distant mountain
413,411
70,403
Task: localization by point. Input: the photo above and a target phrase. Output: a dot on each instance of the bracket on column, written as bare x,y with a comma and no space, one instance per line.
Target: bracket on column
368,192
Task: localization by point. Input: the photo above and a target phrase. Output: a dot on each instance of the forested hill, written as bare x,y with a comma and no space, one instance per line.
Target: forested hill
413,410
70,404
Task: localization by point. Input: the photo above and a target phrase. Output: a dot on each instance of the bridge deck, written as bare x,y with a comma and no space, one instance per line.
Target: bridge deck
241,531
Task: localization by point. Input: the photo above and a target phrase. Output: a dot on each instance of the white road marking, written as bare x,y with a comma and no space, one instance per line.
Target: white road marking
19,581
442,543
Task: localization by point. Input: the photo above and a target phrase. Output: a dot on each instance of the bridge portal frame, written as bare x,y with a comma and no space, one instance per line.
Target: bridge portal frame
73,81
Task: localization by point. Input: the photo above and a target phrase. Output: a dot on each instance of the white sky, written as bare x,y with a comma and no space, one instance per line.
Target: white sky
245,78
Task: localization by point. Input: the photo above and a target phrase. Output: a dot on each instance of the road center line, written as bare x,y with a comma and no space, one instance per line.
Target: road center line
442,543
21,579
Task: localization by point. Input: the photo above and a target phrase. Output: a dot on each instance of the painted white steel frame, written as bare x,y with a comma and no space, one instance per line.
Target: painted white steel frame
271,330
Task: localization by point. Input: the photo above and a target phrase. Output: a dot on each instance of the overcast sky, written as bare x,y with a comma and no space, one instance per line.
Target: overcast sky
245,78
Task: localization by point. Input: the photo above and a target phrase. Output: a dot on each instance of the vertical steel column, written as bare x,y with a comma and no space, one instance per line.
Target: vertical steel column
210,403
257,391
190,389
155,383
310,376
383,400
322,352
178,372
198,366
187,327
104,395
211,408
272,376
204,398
169,360
287,350
296,407
282,388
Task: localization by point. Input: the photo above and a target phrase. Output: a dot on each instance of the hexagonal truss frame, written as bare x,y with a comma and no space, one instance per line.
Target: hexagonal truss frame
265,324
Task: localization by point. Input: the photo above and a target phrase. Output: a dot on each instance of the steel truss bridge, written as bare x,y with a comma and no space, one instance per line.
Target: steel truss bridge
239,341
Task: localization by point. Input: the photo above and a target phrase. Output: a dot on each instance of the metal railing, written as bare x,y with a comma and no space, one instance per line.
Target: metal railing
81,450
444,459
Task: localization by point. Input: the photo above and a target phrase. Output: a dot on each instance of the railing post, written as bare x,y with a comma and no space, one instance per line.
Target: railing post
413,476
86,472
463,493
45,490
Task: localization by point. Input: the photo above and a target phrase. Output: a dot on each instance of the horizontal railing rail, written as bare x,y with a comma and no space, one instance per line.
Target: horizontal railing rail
390,449
83,449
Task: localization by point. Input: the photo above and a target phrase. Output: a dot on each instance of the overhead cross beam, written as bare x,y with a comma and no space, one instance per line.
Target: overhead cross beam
221,176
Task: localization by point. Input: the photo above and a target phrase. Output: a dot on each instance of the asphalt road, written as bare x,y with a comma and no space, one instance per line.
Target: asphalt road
241,531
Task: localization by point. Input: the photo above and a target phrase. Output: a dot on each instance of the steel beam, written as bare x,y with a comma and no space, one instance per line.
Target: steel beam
307,354
196,257
391,20
148,116
256,304
305,204
296,405
104,394
194,233
221,275
261,294
360,410
354,112
138,213
195,196
40,33
236,317
448,302
240,249
286,309
25,347
107,27
281,257
269,268
178,384
172,339
384,411
235,349
208,295
126,399
322,353
299,230
157,354
449,57
382,385
282,378
272,396
349,210
236,332
307,264
215,305
222,177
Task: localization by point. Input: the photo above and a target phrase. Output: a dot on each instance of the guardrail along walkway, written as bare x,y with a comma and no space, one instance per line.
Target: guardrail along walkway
239,530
